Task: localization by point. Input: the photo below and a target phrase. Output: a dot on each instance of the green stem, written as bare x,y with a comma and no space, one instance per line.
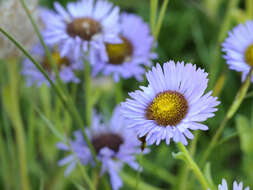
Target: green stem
194,167
153,14
14,113
88,93
249,8
230,113
83,171
66,102
48,53
36,64
185,169
61,137
161,18
214,67
249,95
118,92
138,175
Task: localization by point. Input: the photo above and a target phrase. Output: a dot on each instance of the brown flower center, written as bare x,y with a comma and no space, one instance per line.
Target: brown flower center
249,55
60,62
168,108
84,28
111,141
118,53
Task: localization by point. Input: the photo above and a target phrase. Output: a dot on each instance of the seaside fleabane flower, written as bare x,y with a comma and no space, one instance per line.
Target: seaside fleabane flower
66,66
173,104
128,58
114,144
236,186
238,47
84,25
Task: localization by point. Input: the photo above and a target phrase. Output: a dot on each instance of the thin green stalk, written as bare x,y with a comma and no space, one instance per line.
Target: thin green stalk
130,182
215,64
36,64
185,169
160,173
88,93
230,113
4,163
249,95
249,8
69,101
83,171
31,133
196,170
118,92
161,18
138,175
226,139
48,53
66,102
61,137
14,114
153,14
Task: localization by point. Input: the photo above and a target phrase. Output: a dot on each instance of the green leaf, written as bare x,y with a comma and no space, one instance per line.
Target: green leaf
179,156
208,174
242,124
79,187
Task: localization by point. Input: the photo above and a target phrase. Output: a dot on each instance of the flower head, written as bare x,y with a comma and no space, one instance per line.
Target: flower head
239,48
83,23
236,186
65,65
173,103
113,143
15,21
126,59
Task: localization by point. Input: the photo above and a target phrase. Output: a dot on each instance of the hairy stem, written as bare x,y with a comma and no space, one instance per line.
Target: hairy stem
230,113
196,170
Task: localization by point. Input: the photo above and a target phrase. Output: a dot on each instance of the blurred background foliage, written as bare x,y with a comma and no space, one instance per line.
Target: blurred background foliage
192,31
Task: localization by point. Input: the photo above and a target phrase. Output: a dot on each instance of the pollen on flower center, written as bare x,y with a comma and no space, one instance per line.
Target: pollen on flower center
111,141
84,28
58,60
168,108
249,55
118,53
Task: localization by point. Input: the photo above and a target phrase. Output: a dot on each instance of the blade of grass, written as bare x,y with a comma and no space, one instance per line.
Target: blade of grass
67,102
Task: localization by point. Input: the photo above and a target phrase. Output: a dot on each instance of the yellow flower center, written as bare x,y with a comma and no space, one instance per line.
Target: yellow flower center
119,53
60,62
84,28
168,108
249,55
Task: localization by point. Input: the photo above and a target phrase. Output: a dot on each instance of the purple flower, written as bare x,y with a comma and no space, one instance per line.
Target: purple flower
236,186
114,145
65,65
83,25
239,49
128,58
172,104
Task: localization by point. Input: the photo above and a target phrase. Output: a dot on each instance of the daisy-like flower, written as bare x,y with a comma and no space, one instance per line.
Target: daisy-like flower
114,144
83,23
236,186
172,104
127,58
65,65
239,49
